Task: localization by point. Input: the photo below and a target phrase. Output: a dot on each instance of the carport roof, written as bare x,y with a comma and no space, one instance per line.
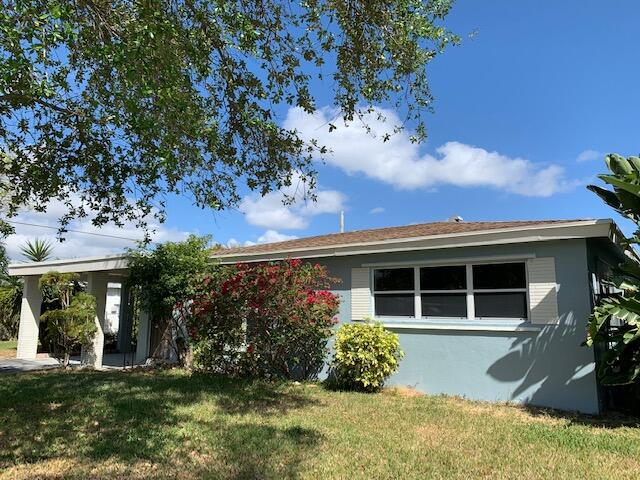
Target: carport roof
108,263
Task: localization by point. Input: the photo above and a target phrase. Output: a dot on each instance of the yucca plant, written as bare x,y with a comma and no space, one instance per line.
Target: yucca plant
620,362
37,251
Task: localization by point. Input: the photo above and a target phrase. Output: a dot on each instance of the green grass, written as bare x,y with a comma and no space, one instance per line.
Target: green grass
141,425
8,344
8,348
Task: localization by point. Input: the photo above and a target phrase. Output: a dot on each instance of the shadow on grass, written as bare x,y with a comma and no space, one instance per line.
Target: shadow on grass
609,420
210,425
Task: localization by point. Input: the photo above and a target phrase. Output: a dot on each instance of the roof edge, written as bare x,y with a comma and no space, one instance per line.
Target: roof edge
605,223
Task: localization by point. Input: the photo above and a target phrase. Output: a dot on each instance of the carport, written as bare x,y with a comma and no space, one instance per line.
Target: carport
97,272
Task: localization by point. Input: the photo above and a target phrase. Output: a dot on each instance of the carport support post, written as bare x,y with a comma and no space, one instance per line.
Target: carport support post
29,318
144,331
97,286
125,320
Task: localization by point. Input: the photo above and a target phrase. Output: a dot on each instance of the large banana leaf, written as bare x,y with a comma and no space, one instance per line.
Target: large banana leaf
615,322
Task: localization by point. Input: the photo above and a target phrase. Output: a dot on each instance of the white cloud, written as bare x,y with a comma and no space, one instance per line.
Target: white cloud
588,156
270,211
77,244
399,162
270,236
376,210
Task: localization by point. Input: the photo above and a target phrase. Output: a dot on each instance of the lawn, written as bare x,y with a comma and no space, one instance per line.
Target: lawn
168,424
8,348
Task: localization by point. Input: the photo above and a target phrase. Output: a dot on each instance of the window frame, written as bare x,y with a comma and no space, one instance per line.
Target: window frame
458,291
469,291
375,292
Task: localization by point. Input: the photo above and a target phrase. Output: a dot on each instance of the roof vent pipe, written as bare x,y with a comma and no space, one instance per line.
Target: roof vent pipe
341,221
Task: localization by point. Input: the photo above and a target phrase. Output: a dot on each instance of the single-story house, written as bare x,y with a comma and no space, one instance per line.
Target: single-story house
494,311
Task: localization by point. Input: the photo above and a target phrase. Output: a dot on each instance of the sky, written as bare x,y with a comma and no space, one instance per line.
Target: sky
525,109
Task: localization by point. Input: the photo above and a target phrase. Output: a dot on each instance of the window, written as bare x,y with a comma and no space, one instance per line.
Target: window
500,290
443,291
482,291
394,290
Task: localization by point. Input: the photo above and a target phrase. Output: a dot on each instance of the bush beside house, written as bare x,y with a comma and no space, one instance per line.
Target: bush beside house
161,282
271,320
366,354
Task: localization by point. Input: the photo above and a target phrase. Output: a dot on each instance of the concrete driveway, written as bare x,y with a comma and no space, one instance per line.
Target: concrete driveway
14,365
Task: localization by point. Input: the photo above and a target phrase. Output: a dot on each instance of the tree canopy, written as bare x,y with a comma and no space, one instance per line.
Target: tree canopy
111,106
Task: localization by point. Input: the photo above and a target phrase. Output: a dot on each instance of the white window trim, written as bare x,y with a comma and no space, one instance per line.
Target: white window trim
470,292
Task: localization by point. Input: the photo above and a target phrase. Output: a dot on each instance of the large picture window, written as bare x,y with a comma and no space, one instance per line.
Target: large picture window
481,291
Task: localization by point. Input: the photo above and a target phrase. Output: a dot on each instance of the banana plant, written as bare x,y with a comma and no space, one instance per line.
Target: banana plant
620,361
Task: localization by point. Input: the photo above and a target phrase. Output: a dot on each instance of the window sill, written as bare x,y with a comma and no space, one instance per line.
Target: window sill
471,326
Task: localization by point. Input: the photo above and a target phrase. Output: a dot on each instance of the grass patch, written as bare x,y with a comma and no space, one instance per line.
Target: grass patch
8,348
170,425
8,344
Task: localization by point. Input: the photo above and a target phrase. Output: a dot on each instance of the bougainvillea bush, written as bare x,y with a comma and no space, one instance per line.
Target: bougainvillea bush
270,320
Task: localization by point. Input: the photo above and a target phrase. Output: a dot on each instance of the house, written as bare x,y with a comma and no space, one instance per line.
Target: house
494,311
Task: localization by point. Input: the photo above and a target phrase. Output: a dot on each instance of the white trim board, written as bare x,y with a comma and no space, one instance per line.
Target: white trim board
455,261
457,327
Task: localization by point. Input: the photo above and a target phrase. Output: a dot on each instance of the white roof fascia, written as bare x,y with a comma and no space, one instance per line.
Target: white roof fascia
71,265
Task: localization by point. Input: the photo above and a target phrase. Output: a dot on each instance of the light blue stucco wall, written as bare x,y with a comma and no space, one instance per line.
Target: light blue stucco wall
547,368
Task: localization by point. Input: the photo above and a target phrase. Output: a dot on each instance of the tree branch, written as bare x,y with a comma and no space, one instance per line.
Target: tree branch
25,100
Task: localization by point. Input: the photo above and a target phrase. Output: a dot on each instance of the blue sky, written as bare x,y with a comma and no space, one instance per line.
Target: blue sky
539,86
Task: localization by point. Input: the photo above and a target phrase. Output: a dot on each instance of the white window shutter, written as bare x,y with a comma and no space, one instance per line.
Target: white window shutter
543,297
360,294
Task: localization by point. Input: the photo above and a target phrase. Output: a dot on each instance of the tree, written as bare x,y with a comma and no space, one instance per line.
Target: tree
37,251
10,297
10,304
620,361
72,324
271,320
163,279
110,106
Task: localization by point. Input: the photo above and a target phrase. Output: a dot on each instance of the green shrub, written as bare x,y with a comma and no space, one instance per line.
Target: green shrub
221,351
366,354
270,320
71,327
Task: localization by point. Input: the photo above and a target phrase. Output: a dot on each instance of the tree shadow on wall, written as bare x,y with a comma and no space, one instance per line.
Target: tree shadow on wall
550,368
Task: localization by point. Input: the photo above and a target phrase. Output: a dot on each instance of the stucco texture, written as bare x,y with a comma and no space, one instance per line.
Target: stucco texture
545,368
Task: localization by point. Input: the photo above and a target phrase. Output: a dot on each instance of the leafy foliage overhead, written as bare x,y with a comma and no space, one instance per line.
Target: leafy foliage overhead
109,106
615,323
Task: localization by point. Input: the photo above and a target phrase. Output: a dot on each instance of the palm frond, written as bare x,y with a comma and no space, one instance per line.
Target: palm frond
37,251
